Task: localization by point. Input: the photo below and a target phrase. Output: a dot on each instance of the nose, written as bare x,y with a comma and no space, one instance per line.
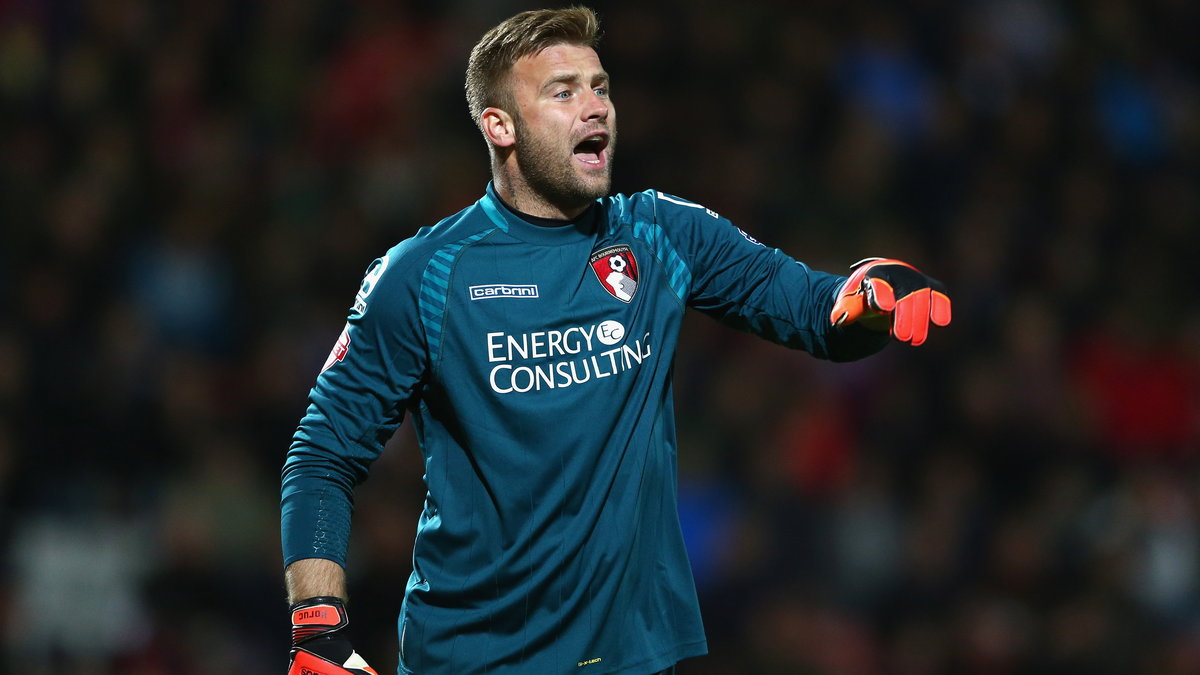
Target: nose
596,107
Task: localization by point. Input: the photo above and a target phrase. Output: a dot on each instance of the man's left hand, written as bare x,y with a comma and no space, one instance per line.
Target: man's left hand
894,293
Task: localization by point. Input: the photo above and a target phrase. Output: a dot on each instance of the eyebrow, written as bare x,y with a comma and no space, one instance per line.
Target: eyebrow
572,78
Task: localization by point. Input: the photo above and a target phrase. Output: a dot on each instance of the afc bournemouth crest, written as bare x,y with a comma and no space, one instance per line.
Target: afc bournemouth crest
617,271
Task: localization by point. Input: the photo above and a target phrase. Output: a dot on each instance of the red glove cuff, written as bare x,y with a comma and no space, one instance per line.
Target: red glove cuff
318,616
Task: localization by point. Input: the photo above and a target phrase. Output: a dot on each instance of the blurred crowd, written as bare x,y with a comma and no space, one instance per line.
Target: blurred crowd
190,192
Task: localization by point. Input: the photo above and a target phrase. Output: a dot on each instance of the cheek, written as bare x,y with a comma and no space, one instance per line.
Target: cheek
553,116
533,120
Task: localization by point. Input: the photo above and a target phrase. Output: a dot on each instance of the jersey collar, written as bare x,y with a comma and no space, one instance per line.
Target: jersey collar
580,229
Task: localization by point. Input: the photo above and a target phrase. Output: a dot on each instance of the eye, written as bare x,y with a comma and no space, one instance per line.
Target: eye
563,95
601,91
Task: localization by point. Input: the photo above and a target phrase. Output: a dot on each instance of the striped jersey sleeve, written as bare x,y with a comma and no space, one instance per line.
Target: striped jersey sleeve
723,272
372,377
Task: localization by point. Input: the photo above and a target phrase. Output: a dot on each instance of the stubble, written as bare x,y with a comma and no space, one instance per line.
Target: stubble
549,171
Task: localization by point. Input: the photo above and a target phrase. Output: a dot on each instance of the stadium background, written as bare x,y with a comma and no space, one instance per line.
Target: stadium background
190,192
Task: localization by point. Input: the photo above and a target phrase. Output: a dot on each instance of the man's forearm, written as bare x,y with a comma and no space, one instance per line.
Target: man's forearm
312,577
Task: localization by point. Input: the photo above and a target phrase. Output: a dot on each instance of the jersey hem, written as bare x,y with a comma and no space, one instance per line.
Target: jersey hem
687,650
655,664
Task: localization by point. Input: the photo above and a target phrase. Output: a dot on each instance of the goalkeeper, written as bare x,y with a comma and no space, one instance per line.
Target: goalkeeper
530,339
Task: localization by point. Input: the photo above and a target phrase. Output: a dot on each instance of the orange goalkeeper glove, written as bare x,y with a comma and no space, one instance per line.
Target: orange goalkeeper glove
897,290
319,645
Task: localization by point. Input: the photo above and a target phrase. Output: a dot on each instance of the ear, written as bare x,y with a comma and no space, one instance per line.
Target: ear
499,127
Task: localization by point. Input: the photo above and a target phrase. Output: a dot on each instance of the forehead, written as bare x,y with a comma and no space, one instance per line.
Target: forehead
556,62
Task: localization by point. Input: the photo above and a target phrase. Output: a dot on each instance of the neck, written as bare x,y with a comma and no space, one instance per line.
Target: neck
516,191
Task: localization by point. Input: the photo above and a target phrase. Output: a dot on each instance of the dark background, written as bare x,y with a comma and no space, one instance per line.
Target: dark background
191,191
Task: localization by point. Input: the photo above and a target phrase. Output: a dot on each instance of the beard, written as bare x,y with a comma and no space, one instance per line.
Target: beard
550,170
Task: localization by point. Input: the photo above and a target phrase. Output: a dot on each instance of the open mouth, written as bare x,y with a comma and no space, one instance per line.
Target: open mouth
591,149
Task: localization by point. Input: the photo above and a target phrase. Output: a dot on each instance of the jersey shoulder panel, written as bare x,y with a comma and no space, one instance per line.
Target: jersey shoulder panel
469,224
428,252
673,228
662,208
429,259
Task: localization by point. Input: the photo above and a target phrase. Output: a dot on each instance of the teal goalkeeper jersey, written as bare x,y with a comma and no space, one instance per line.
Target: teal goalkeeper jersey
535,363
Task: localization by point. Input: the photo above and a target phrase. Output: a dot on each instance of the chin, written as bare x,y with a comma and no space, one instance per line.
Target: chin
596,186
599,190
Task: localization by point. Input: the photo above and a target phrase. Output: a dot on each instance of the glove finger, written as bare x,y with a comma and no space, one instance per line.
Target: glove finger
304,662
880,294
939,311
847,309
911,319
356,664
866,262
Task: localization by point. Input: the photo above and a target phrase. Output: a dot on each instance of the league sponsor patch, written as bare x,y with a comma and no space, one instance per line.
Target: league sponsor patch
369,282
339,350
617,271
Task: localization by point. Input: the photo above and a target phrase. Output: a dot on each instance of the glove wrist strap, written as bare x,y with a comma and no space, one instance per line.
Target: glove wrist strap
315,617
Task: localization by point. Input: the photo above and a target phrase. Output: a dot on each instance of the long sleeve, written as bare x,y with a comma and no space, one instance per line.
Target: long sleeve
752,287
356,404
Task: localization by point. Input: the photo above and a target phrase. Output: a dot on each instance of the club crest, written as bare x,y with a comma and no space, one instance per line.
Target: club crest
617,271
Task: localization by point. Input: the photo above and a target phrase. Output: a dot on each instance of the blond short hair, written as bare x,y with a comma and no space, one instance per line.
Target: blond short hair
527,33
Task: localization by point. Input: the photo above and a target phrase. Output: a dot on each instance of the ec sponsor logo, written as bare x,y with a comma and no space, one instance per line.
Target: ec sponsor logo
491,291
610,332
